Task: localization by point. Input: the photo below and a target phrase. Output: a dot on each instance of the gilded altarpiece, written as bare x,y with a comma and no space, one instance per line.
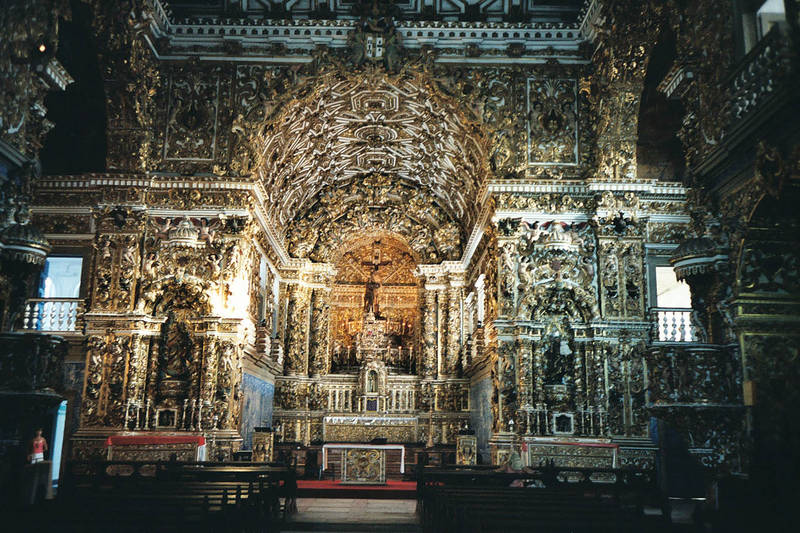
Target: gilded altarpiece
185,314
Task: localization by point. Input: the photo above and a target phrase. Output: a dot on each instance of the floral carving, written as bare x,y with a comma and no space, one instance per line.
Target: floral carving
552,121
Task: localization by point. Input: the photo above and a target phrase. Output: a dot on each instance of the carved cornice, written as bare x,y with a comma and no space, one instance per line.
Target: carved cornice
252,33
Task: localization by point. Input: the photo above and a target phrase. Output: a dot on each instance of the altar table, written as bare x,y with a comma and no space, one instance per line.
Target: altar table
572,453
156,447
364,463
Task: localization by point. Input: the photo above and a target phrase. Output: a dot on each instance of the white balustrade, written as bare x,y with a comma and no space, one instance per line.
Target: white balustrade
52,314
676,325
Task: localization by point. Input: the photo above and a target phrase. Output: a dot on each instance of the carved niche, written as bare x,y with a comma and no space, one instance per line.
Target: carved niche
557,272
175,361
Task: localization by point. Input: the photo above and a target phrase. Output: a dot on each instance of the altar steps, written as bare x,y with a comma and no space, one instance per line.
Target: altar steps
355,528
392,490
348,514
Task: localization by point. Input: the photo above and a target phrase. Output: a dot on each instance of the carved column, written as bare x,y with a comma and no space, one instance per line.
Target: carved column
441,324
429,335
210,351
621,277
320,332
226,404
137,371
507,383
507,279
103,403
453,328
297,329
538,372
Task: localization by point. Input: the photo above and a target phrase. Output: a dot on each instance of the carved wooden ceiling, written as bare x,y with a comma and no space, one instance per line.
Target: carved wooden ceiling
347,125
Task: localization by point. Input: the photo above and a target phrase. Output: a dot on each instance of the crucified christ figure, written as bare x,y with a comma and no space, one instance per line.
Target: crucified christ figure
370,298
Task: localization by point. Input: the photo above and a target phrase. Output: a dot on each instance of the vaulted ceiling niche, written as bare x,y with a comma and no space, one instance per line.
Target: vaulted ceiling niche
373,151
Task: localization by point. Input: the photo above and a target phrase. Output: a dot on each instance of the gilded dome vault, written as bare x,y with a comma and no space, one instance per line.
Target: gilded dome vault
400,126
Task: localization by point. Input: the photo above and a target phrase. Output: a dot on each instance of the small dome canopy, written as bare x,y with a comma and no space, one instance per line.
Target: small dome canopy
23,242
696,256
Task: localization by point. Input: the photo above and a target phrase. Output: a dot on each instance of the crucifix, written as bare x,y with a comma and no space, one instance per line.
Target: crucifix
370,298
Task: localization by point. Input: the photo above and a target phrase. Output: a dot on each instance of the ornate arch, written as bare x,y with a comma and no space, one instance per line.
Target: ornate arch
183,295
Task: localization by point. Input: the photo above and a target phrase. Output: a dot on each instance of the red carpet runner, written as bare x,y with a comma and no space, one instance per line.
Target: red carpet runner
392,490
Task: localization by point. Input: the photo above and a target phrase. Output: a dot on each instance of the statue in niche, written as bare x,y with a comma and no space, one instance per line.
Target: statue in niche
372,382
176,349
557,361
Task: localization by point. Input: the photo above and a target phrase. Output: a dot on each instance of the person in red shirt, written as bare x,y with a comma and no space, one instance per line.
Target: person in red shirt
38,447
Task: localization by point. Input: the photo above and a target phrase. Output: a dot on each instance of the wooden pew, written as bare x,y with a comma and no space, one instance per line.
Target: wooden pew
174,496
546,499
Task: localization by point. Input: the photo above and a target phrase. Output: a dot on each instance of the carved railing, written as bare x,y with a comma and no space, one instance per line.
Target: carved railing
343,398
760,74
61,315
589,421
692,375
31,362
676,324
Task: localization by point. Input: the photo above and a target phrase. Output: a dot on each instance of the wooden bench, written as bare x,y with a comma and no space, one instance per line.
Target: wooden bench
544,499
174,496
510,509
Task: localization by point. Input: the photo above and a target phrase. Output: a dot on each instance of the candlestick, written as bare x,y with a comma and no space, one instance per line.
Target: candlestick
147,415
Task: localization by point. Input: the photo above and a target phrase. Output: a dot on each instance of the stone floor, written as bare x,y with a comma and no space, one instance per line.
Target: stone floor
340,514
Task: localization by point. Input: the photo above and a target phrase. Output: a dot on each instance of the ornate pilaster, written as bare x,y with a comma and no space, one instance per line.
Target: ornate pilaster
621,262
507,386
441,338
507,279
454,299
297,325
319,332
117,257
132,81
429,335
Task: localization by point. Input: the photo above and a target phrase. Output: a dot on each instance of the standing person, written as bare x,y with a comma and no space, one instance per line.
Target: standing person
38,448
